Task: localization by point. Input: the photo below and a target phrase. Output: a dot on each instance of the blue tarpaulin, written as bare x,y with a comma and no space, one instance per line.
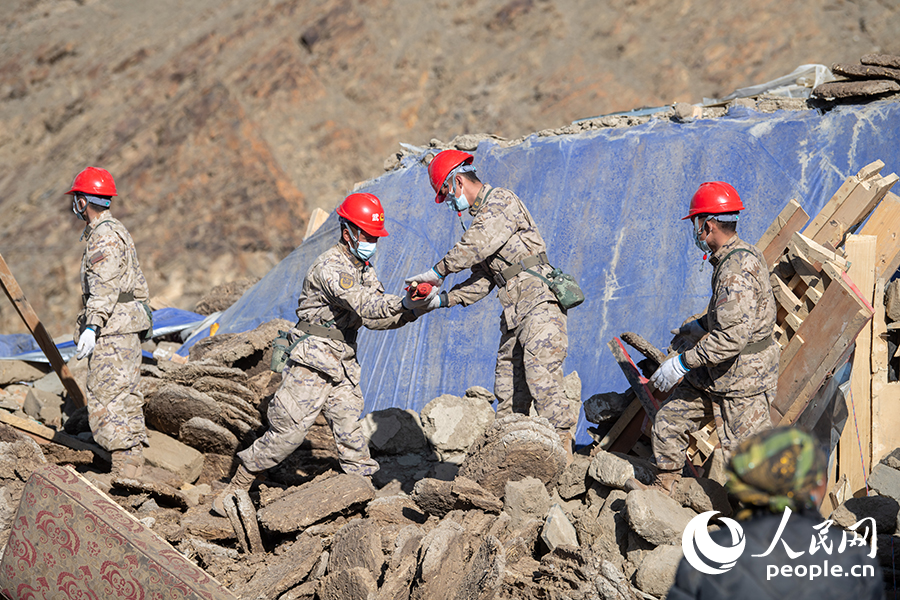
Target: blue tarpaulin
608,203
22,346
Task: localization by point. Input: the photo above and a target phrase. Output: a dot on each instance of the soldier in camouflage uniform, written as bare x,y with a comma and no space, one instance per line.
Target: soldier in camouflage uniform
500,247
728,359
115,299
341,293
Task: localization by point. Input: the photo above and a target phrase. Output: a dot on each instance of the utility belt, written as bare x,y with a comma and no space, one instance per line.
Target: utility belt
757,347
122,298
326,332
512,270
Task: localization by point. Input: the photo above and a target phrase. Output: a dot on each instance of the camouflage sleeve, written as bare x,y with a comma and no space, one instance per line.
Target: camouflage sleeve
490,230
369,302
105,266
477,286
730,320
395,322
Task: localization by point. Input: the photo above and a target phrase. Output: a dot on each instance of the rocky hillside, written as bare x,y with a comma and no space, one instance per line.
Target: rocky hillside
225,122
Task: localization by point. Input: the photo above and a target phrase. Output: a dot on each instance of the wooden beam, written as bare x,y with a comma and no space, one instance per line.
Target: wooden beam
622,423
23,307
828,332
832,205
775,239
885,397
854,210
816,253
51,435
854,447
885,224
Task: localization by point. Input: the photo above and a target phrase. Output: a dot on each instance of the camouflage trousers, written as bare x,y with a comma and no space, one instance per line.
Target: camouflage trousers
689,408
302,395
530,366
115,402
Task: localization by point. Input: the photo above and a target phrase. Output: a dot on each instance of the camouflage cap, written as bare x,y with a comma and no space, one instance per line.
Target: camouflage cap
777,469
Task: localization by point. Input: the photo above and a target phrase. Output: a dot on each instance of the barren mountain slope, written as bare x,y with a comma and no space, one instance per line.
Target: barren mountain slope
226,121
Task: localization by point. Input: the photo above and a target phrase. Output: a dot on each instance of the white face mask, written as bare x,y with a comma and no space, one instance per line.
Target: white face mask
700,243
364,251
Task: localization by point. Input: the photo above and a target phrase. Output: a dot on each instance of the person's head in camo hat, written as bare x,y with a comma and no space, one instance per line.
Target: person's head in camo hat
779,468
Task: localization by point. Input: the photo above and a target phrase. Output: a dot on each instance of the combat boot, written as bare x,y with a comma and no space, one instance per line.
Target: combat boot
242,480
666,482
128,464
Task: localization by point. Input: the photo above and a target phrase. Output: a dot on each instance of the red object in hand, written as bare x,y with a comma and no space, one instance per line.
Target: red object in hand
421,290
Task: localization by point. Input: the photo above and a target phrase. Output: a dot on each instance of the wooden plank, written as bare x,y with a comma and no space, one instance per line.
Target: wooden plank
46,433
23,307
885,224
839,196
854,447
775,239
785,296
885,396
787,354
828,333
854,210
316,219
624,419
637,381
815,252
631,432
813,294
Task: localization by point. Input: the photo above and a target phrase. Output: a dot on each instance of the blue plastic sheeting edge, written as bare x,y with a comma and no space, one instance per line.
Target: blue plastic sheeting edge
608,203
23,346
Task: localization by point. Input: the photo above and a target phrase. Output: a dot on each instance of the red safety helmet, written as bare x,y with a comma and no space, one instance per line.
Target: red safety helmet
714,198
442,165
95,182
364,211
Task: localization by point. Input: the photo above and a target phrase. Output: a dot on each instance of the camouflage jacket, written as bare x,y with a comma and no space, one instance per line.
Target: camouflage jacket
741,311
109,267
502,228
344,292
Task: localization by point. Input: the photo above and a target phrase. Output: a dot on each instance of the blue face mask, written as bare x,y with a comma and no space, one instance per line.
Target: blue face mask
364,251
700,243
457,204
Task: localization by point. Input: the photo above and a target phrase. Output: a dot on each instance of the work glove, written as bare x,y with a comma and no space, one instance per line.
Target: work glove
668,374
436,300
411,303
430,276
687,336
86,343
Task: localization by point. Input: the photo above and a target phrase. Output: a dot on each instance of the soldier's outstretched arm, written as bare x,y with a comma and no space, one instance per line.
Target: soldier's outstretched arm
366,301
477,286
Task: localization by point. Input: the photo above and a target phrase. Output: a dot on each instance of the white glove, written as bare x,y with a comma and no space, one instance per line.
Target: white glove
86,343
687,336
436,300
668,374
430,276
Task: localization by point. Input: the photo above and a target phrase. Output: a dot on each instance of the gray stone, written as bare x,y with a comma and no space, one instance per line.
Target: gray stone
394,431
44,406
893,459
453,424
399,510
480,393
315,501
600,408
173,404
357,544
615,469
656,517
612,584
525,500
657,571
512,448
885,480
352,584
13,371
50,383
883,509
572,481
572,390
168,453
558,531
892,300
284,570
703,495
437,546
471,495
8,507
206,436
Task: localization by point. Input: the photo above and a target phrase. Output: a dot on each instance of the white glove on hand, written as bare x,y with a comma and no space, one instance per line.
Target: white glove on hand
668,374
86,343
430,276
436,300
687,336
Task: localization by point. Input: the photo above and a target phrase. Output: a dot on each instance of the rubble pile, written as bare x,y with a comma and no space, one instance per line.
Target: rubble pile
876,75
476,507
